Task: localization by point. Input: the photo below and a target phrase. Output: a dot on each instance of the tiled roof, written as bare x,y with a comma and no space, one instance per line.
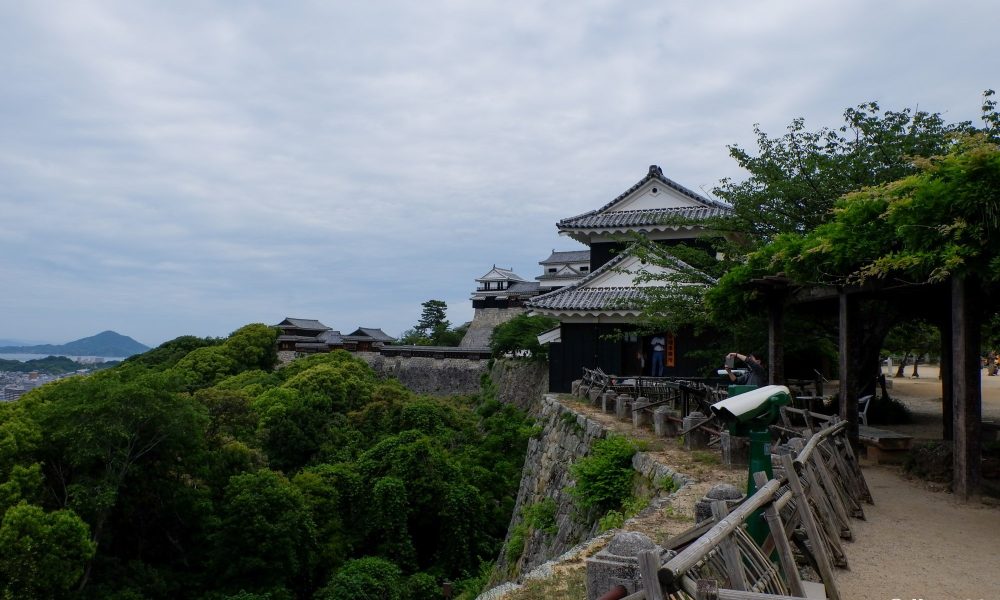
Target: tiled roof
297,338
500,274
605,218
639,218
436,349
522,287
579,297
303,323
331,337
656,172
568,256
370,333
565,274
573,298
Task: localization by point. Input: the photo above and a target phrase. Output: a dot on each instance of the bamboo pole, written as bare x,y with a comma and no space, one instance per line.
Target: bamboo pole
780,540
680,564
812,530
730,554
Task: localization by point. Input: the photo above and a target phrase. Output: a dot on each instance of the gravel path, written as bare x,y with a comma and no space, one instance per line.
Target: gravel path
918,543
921,544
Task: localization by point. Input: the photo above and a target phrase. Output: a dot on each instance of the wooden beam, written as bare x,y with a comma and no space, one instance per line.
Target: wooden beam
848,376
649,567
776,339
966,388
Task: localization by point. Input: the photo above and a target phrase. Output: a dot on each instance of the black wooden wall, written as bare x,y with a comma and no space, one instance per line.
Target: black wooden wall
587,345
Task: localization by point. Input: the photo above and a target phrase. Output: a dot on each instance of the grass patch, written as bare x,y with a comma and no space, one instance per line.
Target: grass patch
706,457
565,583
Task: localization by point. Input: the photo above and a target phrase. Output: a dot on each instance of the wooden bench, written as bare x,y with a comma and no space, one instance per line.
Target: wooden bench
884,446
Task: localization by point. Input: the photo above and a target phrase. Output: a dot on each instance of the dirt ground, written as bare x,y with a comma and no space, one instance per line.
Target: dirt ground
918,541
923,397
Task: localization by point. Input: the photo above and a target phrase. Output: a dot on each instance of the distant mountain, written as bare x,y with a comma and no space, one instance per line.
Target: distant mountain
10,342
106,343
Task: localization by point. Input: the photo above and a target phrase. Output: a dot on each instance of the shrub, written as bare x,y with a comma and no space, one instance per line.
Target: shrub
519,337
604,478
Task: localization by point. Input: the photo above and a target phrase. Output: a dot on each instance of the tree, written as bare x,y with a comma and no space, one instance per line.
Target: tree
433,328
792,189
433,317
519,336
42,555
266,536
369,578
917,338
940,222
795,179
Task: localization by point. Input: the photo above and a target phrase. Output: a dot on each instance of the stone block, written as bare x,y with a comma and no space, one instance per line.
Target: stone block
622,406
695,439
583,390
617,564
574,388
640,416
595,395
722,491
664,423
608,401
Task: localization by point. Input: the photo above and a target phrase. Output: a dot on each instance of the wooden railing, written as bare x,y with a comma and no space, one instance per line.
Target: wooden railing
808,504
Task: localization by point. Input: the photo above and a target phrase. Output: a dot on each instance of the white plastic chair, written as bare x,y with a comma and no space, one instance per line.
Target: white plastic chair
863,403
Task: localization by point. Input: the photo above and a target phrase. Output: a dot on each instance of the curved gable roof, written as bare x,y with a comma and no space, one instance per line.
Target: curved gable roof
617,217
606,291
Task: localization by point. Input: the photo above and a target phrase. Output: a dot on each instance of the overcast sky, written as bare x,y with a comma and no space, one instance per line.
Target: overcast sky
171,168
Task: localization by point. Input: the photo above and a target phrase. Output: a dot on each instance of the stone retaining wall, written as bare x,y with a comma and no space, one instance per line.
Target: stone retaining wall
433,376
566,437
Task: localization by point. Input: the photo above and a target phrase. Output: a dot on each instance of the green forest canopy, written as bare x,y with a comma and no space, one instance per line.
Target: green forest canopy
197,471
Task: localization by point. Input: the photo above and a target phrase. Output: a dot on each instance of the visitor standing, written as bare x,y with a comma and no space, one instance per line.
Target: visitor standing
659,344
755,375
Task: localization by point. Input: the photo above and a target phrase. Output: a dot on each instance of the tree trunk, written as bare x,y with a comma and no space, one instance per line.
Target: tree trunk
881,383
916,361
902,366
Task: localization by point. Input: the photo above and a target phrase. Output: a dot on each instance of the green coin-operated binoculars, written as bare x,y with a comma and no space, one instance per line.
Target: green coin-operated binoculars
749,411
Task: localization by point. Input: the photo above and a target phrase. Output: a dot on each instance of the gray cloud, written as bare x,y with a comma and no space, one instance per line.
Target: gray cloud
190,167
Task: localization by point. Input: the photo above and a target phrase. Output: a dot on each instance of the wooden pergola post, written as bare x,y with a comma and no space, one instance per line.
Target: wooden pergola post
966,388
848,375
776,339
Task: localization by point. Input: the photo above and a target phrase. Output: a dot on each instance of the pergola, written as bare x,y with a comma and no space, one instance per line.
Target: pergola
957,308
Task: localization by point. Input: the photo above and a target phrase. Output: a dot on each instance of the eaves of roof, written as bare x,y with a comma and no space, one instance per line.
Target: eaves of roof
568,256
650,218
312,324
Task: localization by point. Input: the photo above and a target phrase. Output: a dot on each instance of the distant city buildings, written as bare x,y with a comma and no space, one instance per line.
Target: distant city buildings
15,384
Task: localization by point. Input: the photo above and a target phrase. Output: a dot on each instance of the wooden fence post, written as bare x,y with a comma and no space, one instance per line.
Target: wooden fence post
649,573
781,545
730,554
812,530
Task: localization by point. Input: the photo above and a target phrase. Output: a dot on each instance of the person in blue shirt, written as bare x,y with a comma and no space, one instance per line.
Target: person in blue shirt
659,344
756,373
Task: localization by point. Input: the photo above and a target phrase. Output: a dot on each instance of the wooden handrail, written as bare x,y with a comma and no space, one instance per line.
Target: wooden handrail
689,557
